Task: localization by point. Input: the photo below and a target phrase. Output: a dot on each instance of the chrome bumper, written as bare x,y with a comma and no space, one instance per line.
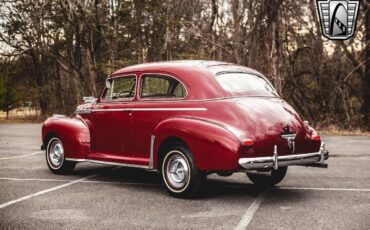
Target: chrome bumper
316,159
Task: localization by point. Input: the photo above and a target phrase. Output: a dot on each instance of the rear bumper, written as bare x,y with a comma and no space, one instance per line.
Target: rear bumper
316,159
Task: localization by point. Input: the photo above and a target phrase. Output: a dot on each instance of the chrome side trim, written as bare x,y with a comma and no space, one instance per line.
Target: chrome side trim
276,161
110,110
107,163
169,109
149,109
151,159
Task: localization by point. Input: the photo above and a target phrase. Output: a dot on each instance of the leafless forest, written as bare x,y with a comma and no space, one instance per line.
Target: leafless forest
53,52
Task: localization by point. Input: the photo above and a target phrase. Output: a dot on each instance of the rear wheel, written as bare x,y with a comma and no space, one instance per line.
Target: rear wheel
55,157
179,174
268,179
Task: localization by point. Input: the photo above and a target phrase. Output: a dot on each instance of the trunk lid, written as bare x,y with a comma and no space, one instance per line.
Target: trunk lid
268,120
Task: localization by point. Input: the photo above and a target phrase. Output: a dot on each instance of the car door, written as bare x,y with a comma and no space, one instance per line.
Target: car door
159,99
112,120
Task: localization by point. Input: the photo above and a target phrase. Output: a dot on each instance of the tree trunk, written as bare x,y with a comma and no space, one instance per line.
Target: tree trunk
211,25
274,52
235,5
276,55
166,45
139,6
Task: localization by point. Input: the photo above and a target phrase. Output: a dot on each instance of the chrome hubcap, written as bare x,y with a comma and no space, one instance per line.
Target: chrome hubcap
56,153
177,171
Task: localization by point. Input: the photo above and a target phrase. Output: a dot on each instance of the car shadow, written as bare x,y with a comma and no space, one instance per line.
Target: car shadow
212,187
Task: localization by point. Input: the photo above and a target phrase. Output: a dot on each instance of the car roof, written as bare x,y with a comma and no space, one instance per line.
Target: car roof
197,75
211,66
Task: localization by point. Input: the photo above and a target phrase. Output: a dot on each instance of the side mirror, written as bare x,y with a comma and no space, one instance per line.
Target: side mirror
91,100
107,83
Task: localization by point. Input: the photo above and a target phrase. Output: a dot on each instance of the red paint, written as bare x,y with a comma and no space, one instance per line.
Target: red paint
226,127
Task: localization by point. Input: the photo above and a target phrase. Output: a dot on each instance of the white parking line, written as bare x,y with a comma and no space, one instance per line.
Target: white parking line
85,181
33,179
20,156
49,190
248,215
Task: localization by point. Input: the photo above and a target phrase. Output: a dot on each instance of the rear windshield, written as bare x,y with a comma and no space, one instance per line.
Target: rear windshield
245,84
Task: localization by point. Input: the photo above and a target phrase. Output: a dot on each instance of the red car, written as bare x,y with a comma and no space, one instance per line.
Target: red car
186,119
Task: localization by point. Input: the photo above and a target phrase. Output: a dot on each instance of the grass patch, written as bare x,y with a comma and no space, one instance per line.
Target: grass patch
335,130
20,116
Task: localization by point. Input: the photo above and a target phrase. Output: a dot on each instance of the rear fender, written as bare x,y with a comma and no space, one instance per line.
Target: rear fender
73,132
213,146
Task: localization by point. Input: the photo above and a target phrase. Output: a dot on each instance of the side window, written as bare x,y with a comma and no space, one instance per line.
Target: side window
159,86
121,88
179,91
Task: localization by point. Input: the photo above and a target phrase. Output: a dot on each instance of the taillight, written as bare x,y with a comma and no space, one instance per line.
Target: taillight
315,136
247,142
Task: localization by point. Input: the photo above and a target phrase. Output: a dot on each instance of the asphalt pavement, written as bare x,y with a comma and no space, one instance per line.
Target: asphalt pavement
110,197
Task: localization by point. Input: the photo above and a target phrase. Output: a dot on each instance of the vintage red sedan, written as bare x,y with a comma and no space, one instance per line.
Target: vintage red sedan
186,119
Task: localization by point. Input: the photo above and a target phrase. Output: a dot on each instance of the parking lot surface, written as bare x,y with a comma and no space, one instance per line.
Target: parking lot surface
111,197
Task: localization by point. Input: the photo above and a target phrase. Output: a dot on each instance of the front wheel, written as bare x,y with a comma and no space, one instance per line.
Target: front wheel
179,174
269,179
55,158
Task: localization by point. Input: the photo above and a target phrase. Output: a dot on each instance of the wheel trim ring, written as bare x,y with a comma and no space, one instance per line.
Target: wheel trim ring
48,154
164,174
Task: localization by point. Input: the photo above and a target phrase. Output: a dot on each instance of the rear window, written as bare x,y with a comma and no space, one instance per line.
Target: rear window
243,83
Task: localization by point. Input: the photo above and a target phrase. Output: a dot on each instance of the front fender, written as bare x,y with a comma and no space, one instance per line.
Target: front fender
73,133
213,146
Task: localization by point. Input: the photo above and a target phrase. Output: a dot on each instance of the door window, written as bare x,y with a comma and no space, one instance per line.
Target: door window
122,88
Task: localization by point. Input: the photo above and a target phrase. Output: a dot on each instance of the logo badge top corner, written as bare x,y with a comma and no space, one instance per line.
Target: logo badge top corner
338,18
